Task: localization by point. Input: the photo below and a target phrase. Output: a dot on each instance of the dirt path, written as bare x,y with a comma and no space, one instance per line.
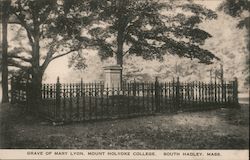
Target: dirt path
221,128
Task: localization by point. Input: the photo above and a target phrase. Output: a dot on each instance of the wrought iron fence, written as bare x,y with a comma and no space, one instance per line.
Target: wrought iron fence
95,101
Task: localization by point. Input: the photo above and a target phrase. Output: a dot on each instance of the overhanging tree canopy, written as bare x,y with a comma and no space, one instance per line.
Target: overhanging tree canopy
235,8
47,39
148,28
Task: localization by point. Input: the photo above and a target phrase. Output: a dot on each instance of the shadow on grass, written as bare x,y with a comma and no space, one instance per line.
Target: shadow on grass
19,130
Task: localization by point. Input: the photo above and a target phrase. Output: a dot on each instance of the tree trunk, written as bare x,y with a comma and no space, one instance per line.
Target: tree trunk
37,72
36,84
122,23
5,18
119,56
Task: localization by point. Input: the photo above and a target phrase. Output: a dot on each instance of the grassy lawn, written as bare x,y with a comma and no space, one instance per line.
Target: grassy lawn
214,129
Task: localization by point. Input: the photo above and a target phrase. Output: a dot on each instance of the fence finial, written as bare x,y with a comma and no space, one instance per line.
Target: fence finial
58,80
235,79
156,79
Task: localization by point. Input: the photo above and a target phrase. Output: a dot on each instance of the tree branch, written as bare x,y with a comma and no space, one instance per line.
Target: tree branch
22,22
17,64
58,56
49,57
20,57
126,52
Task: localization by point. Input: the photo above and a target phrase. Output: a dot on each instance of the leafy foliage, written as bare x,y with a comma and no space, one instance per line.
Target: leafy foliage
47,27
77,61
44,23
235,8
149,29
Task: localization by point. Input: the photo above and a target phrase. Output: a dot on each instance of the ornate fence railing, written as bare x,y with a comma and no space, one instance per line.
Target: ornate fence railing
94,101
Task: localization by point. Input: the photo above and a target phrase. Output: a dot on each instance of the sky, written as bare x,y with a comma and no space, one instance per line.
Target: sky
211,4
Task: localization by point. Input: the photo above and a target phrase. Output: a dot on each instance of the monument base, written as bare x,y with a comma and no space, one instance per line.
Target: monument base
113,76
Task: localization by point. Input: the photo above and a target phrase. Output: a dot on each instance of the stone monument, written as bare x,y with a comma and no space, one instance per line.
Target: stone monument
113,76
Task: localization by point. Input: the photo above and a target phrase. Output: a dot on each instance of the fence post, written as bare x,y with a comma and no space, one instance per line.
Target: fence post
177,94
58,98
28,98
235,91
134,88
12,90
157,102
81,85
215,92
222,91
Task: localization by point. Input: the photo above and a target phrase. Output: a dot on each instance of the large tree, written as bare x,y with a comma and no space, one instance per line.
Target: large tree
46,38
239,9
4,62
149,28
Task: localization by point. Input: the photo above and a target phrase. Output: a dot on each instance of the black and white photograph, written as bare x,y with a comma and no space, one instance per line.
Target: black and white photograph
124,75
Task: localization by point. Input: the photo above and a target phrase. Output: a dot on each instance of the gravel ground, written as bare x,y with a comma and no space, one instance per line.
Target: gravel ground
214,129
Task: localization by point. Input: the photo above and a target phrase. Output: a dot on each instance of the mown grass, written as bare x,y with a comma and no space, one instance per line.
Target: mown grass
226,128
